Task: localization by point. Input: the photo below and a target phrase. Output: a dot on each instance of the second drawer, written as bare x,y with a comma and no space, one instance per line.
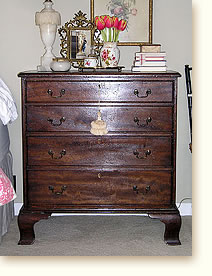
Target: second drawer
79,118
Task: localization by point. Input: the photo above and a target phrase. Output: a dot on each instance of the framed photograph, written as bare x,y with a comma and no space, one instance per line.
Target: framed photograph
137,13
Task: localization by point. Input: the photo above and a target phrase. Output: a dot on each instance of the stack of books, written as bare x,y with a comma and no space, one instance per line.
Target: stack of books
149,61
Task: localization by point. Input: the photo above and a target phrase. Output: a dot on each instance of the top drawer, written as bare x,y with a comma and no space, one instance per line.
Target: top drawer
114,91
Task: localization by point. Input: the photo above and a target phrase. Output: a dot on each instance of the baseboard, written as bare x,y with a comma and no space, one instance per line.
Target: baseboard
185,210
17,207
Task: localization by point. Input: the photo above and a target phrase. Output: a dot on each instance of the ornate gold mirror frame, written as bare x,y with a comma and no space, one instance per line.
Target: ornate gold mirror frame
69,42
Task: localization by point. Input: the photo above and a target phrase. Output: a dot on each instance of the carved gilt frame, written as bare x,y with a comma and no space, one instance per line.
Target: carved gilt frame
149,10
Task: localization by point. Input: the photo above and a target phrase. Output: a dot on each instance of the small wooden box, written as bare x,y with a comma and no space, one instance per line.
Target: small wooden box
154,48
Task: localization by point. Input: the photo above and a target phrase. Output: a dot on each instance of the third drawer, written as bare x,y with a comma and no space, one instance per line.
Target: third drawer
102,151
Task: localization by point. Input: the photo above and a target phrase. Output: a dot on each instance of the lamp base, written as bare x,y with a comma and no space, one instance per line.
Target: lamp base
40,68
45,63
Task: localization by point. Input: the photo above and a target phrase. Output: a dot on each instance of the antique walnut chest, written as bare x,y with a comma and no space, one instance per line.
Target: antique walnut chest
132,169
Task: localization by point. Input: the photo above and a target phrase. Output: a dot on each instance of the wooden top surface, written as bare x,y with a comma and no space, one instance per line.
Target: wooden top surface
108,73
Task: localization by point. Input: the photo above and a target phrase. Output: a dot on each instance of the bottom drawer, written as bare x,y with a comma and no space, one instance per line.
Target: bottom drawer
98,187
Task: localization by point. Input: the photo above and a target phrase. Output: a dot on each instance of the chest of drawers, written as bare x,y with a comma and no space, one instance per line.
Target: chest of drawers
132,169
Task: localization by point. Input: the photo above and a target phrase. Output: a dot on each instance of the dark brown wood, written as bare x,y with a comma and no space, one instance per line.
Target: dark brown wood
26,221
99,151
132,169
100,187
84,91
190,147
78,118
172,227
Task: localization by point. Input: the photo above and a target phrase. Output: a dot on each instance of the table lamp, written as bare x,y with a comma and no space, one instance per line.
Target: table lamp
47,19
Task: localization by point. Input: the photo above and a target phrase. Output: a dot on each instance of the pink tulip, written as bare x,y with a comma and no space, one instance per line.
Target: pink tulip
96,18
122,25
100,24
104,17
115,22
109,22
110,27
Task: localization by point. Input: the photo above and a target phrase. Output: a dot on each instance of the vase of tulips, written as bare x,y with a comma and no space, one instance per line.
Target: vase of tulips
110,27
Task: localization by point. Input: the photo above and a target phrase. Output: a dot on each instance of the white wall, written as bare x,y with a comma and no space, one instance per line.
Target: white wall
21,48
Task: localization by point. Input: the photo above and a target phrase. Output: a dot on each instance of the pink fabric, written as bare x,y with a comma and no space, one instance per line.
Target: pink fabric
7,192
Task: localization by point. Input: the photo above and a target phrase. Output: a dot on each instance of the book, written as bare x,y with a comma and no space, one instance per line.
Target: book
148,68
153,48
150,58
149,63
150,55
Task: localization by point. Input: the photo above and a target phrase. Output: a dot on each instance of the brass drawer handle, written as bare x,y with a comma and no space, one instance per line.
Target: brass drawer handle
147,153
148,92
63,188
135,189
148,188
137,121
50,93
62,153
51,121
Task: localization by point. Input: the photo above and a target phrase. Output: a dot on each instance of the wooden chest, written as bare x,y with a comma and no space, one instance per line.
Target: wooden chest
129,170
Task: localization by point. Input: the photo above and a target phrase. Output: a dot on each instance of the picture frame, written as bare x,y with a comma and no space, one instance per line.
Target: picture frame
76,39
138,13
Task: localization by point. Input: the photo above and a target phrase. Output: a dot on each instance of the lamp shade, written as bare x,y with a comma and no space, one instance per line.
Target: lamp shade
47,15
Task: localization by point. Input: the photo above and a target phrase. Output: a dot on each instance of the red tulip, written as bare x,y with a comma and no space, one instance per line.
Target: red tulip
99,22
104,17
110,27
115,22
122,25
109,22
96,18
